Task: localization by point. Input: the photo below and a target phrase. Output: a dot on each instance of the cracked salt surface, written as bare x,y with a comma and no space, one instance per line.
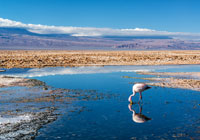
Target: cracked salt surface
24,126
7,124
20,117
16,119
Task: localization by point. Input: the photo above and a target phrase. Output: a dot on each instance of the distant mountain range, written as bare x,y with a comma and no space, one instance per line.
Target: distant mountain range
20,38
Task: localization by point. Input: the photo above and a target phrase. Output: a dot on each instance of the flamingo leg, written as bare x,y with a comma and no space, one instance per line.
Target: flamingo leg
140,96
140,109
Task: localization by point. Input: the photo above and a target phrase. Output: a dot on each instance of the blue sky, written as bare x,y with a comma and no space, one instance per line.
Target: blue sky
164,15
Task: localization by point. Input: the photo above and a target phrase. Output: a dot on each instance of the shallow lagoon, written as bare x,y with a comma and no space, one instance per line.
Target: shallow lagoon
174,113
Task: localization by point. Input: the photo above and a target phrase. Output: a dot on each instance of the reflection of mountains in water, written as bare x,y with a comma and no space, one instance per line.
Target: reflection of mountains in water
138,117
38,72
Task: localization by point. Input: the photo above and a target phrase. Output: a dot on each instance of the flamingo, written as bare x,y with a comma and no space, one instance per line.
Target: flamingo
138,117
138,87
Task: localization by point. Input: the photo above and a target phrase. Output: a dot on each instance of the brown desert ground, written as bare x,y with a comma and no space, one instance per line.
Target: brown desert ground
38,59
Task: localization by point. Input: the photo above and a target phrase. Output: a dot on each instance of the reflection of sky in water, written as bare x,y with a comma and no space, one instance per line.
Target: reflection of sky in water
36,72
174,112
111,119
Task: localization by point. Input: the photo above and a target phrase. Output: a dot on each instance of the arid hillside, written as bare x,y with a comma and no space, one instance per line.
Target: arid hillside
22,39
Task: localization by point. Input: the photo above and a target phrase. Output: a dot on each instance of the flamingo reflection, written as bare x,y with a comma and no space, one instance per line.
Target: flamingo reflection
138,117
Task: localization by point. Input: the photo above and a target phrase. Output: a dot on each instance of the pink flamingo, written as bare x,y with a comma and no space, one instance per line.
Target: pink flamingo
138,87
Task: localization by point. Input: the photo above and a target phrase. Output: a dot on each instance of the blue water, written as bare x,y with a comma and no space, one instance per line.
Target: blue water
174,113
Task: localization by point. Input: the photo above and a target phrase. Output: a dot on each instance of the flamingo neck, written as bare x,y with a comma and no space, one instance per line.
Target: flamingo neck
133,112
130,97
130,108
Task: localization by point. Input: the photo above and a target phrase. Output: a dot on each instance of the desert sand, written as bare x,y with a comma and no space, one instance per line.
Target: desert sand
33,59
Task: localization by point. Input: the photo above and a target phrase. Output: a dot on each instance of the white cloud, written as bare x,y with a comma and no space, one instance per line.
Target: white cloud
91,31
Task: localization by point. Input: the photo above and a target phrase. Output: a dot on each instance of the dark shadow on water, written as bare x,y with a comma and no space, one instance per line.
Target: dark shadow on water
138,117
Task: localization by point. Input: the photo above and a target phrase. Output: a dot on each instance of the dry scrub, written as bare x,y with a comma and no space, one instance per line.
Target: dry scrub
31,59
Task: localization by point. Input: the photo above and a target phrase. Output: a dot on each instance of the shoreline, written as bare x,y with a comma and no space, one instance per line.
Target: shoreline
57,58
182,80
29,104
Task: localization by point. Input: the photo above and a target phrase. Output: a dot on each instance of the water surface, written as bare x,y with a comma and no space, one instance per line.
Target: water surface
173,113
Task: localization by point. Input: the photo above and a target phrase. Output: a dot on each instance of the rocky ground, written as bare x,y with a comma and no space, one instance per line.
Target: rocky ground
32,59
28,104
8,81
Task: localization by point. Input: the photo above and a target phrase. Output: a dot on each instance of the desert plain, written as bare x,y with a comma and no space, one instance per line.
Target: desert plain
54,58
